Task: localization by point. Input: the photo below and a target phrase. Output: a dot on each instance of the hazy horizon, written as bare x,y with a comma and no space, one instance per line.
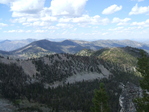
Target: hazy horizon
63,39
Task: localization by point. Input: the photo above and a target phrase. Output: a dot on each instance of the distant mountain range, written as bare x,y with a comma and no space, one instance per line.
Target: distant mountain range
45,47
10,45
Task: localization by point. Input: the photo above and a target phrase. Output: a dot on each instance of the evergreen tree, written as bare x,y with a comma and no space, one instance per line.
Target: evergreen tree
100,100
143,68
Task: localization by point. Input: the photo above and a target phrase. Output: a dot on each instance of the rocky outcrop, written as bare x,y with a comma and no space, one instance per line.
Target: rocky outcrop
129,92
6,106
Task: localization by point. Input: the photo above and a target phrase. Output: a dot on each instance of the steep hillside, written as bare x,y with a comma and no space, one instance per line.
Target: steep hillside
85,52
66,82
37,46
126,57
4,53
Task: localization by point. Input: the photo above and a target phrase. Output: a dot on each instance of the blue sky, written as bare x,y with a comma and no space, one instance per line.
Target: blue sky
74,19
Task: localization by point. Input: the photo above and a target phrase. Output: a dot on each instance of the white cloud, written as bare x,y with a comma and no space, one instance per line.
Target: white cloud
65,32
6,1
116,29
2,24
19,20
27,6
37,23
82,19
138,23
33,13
111,9
98,20
106,33
51,27
18,31
139,10
41,18
28,31
40,31
64,25
65,19
15,31
49,18
85,19
121,21
67,7
42,13
133,28
11,31
142,24
32,19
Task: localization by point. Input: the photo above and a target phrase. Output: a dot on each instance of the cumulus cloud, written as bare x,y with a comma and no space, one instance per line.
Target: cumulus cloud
40,31
64,25
18,31
139,10
2,24
65,19
49,19
111,9
98,20
121,21
15,31
86,19
27,6
82,19
116,29
37,23
67,7
143,23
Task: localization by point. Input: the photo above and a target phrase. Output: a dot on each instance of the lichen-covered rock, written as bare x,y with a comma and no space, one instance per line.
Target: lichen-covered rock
129,92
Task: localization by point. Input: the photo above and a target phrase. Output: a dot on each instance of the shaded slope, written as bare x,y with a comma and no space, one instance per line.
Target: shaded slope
38,46
45,47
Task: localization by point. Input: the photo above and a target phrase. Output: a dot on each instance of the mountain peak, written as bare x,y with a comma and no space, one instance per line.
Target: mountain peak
68,42
5,41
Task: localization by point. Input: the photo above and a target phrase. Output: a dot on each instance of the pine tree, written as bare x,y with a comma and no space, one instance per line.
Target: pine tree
100,100
143,68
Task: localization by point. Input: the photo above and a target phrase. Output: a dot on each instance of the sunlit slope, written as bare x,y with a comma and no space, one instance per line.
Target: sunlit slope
119,55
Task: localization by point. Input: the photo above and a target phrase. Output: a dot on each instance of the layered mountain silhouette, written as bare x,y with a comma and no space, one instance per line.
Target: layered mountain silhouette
10,45
46,47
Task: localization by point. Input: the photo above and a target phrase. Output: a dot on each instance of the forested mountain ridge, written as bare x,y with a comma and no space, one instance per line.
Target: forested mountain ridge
65,82
122,55
45,47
